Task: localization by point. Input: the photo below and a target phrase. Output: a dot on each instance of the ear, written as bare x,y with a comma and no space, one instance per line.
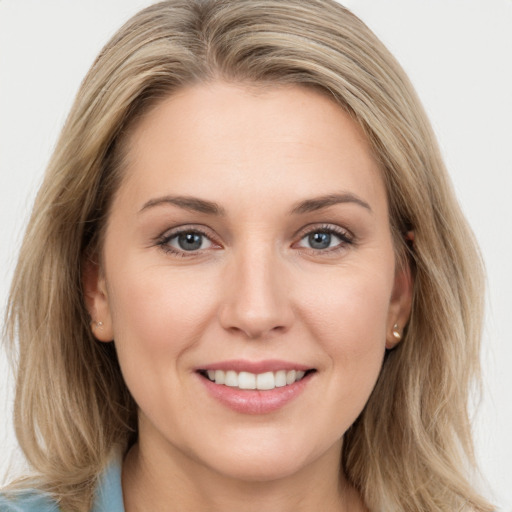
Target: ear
96,301
400,305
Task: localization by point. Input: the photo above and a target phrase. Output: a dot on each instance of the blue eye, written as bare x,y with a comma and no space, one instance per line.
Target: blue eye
190,241
324,238
186,241
320,240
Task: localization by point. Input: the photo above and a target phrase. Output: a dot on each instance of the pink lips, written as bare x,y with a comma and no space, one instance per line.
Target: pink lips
254,401
270,365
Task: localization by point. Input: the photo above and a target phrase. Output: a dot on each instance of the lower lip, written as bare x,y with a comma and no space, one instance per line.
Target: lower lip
254,401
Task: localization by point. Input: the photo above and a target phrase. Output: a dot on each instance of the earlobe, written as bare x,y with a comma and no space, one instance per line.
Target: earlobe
96,301
400,306
397,335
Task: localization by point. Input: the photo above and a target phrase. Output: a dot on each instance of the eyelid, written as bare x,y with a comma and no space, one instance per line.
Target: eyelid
343,233
163,240
346,237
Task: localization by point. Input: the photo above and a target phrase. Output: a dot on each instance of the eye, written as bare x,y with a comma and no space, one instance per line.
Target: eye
320,240
325,238
190,241
185,241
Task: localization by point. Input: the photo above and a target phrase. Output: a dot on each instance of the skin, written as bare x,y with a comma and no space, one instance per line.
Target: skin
256,290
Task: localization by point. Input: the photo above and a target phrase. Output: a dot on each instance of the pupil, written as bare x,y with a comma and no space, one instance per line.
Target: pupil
190,241
320,240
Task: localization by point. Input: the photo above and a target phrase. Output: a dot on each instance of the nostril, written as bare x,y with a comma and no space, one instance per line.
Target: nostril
256,305
256,330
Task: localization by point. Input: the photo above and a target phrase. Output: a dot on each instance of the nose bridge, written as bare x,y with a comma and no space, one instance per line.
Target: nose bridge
257,302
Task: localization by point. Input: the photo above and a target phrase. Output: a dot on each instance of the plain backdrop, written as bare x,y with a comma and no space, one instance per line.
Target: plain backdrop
458,54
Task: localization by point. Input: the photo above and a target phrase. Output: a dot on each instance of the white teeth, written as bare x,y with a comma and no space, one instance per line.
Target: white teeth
247,380
261,381
280,378
231,379
265,381
290,376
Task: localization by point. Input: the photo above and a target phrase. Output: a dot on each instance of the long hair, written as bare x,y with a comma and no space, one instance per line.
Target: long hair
411,447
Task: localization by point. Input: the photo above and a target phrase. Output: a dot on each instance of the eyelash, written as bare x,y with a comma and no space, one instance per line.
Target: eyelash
346,239
163,241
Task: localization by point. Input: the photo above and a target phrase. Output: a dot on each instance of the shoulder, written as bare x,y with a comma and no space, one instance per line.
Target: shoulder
108,494
27,501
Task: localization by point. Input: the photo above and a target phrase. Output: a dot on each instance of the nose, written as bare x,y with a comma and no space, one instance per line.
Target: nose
256,304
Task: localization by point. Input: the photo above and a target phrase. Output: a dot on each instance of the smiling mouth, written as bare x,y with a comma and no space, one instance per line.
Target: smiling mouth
260,381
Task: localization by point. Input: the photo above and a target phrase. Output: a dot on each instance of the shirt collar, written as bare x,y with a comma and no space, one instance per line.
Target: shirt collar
109,492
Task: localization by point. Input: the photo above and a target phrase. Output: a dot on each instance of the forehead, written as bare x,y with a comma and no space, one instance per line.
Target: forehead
240,139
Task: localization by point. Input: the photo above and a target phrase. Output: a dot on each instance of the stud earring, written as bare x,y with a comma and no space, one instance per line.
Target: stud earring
99,325
396,333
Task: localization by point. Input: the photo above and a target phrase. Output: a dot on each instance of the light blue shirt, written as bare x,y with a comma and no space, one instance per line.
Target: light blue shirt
108,496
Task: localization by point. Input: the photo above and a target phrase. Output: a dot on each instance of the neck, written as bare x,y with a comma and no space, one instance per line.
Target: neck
159,480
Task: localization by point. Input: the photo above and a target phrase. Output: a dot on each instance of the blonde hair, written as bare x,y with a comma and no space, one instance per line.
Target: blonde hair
411,447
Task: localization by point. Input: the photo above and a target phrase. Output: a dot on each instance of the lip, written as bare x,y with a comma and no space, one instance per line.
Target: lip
242,365
255,402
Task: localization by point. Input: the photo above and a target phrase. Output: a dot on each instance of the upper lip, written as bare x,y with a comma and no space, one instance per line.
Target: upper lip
241,365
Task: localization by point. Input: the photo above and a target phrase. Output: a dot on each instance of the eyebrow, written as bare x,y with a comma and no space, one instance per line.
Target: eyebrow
212,208
187,203
318,203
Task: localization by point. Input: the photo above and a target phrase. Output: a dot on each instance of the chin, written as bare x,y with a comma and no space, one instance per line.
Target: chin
270,461
261,469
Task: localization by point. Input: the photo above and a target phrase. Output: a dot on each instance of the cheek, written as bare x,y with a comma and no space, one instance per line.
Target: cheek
348,318
351,307
157,314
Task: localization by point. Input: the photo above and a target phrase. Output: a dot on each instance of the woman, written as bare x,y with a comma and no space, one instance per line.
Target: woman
246,281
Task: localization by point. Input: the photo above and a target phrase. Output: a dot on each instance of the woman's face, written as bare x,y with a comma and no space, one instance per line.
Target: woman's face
248,243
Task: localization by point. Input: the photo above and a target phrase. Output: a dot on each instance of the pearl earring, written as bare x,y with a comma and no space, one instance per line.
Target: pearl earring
396,333
99,324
